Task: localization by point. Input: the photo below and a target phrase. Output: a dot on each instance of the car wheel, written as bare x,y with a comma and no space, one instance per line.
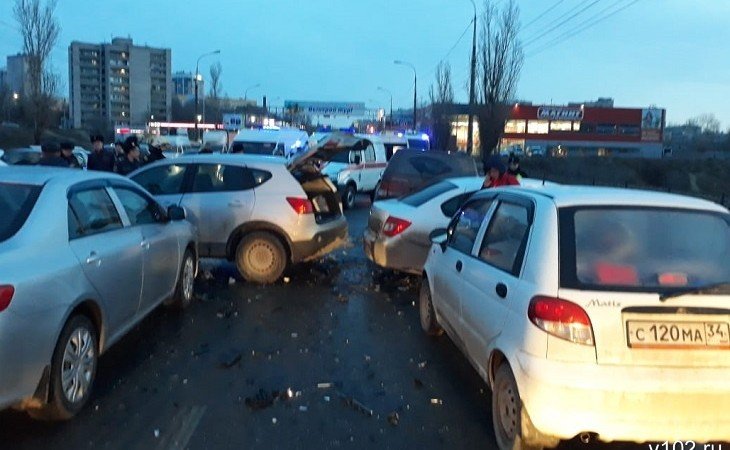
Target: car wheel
428,315
261,258
185,289
348,197
512,425
73,370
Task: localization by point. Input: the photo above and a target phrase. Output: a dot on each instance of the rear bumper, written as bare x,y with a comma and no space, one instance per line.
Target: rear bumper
394,253
328,238
639,404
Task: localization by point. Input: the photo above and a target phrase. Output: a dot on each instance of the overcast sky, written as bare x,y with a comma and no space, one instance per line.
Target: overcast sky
668,53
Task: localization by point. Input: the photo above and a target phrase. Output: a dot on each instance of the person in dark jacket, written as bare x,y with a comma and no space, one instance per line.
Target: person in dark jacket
119,151
131,162
51,156
67,153
514,169
155,153
497,174
100,159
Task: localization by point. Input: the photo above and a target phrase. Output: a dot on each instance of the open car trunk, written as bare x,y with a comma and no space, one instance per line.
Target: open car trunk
322,193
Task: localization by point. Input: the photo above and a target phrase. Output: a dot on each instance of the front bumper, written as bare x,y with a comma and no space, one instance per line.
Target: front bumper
331,236
396,253
625,403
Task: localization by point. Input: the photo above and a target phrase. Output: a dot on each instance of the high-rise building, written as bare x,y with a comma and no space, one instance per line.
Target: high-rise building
184,87
118,84
18,74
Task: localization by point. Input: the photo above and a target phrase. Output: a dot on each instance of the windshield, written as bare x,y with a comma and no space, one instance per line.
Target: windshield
428,193
640,249
257,148
16,203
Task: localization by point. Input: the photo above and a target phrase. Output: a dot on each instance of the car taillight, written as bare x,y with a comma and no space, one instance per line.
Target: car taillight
562,319
6,295
301,205
395,226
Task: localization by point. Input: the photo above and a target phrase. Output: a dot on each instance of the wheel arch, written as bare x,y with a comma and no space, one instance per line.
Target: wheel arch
496,359
239,233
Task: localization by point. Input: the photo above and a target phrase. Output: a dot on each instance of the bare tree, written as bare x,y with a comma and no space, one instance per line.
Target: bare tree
39,30
441,95
708,123
500,59
215,80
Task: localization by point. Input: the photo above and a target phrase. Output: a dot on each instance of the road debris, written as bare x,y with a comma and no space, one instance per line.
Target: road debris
273,420
157,433
324,385
393,418
294,335
326,398
287,279
356,405
422,364
229,358
303,408
231,281
437,401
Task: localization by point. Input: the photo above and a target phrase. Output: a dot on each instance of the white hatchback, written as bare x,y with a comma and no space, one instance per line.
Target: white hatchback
592,312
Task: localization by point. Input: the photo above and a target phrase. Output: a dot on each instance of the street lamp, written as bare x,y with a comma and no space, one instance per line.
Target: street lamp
380,88
470,125
198,78
415,86
245,93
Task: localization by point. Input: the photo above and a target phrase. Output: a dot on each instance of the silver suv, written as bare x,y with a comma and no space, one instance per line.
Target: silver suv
254,210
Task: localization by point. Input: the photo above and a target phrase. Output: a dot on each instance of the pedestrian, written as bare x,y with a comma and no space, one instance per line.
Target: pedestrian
67,153
100,159
119,151
131,161
514,169
155,152
496,174
51,155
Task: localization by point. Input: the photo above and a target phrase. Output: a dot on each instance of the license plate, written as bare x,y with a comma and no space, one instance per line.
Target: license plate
661,334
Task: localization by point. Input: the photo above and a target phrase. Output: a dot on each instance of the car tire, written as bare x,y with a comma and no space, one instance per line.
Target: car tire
513,429
185,288
429,324
77,353
348,196
261,258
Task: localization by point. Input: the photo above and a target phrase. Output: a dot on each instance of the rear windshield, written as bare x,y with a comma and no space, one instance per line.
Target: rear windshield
647,249
16,203
428,193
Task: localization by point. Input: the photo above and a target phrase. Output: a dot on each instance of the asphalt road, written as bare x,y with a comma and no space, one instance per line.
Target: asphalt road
241,368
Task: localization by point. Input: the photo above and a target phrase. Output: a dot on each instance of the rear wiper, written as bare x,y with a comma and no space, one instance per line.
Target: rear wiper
715,288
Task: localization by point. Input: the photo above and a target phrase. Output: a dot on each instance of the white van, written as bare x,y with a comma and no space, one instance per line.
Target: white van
269,141
357,170
397,141
179,145
216,139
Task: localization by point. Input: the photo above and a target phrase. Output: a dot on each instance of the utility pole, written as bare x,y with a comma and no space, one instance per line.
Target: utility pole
470,125
197,80
415,87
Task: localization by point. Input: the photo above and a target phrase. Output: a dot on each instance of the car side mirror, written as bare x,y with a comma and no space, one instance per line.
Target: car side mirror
439,236
175,213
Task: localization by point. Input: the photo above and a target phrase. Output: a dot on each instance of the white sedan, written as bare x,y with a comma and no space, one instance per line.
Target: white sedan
592,312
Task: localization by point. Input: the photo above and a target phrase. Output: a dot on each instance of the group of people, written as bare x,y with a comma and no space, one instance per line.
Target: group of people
125,159
499,174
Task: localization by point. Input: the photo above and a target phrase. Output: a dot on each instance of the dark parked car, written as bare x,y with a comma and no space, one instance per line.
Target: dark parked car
409,170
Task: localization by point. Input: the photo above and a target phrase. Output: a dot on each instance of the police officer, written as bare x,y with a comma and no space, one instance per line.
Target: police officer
68,155
131,162
100,159
51,156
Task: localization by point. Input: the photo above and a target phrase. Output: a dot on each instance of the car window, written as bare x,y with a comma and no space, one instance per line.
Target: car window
222,178
260,176
505,238
139,210
644,249
428,193
16,203
426,165
370,153
162,180
341,157
94,212
449,207
464,230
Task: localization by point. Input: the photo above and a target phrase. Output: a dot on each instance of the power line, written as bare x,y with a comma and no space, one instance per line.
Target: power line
555,5
584,26
559,24
458,41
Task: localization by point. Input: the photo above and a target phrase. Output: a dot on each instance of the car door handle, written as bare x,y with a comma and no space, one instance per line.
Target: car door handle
145,245
93,258
459,266
501,290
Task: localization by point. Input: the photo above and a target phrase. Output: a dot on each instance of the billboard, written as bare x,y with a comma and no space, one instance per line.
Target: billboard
651,124
325,108
232,122
559,113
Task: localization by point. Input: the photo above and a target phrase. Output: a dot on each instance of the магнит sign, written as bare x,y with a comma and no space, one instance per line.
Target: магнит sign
559,113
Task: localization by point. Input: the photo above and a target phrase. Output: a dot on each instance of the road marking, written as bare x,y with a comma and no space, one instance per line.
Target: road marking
181,429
